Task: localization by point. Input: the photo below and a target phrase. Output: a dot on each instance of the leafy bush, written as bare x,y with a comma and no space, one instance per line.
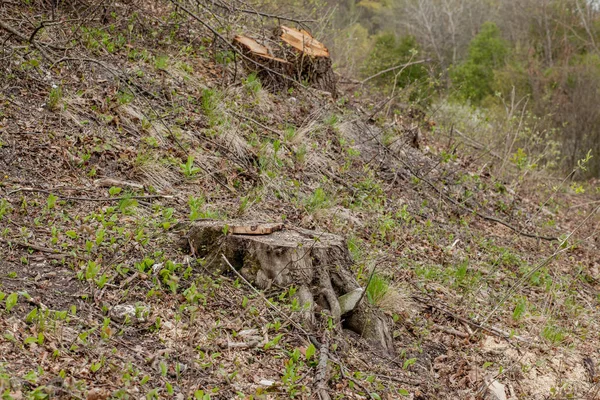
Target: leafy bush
474,78
390,51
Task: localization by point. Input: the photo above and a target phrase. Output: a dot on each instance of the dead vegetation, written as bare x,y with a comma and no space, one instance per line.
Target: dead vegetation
122,124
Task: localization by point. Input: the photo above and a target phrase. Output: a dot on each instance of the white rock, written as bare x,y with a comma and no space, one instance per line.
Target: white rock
120,312
349,301
496,391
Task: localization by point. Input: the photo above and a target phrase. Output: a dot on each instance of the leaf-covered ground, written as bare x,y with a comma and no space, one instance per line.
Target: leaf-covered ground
122,123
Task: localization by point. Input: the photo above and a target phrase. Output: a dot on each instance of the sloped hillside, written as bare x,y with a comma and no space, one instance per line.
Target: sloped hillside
122,123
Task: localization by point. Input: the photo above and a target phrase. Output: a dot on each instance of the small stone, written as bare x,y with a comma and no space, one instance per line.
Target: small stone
350,300
121,312
266,382
496,391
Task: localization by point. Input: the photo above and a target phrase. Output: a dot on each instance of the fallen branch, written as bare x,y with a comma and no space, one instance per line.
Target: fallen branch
450,331
321,375
24,38
36,247
561,248
48,192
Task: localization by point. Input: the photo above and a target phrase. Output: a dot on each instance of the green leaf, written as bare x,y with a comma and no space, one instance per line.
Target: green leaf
273,342
71,234
113,191
95,366
310,351
408,363
32,315
30,339
51,202
11,301
404,392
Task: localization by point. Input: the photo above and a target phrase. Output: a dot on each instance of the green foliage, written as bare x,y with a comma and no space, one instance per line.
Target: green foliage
5,208
474,78
188,168
198,209
520,309
390,51
11,301
161,62
54,98
378,287
252,84
553,333
317,200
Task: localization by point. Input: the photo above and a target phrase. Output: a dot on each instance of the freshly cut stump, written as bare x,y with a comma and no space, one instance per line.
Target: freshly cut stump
290,53
316,262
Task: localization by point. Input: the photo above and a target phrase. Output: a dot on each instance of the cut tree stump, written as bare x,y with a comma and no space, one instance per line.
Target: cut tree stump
317,263
292,53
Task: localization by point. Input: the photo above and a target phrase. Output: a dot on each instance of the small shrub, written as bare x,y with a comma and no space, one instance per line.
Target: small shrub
252,84
377,289
188,168
317,200
54,98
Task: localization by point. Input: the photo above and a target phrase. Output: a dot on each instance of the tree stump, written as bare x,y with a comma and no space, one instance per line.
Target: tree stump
290,53
317,263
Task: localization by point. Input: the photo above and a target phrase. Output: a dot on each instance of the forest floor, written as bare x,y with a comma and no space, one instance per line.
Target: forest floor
120,124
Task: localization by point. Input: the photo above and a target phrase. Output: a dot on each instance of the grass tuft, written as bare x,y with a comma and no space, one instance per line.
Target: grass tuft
377,289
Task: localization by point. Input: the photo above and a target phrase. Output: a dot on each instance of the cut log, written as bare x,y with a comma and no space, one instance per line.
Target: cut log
317,263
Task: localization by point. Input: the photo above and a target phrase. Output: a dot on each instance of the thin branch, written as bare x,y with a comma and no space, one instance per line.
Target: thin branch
490,329
24,38
394,68
262,14
12,30
36,30
366,287
39,248
561,248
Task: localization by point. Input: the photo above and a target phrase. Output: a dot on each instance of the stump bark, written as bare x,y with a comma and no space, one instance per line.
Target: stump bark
317,263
